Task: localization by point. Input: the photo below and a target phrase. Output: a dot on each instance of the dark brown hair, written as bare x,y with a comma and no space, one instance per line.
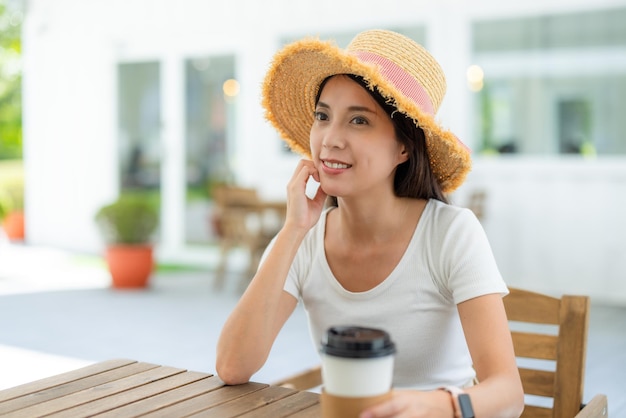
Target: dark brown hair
414,177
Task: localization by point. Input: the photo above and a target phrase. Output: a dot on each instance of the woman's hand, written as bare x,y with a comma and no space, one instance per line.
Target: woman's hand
413,404
303,212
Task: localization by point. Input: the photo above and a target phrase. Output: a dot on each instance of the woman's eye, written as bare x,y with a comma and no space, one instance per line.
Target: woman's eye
321,116
358,120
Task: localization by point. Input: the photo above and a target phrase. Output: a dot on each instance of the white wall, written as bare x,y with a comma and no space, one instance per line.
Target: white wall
69,128
554,224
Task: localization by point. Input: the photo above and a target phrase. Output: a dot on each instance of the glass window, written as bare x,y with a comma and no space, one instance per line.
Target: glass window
551,84
574,124
550,115
210,93
139,106
598,28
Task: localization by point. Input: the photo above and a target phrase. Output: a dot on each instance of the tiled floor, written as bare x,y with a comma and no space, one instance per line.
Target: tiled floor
57,314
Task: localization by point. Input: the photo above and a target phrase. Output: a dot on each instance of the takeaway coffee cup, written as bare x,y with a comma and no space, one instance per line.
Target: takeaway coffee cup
357,369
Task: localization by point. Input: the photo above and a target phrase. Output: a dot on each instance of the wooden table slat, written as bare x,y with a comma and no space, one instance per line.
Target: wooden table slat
166,399
60,379
127,388
132,395
313,411
97,392
285,407
73,385
246,403
208,400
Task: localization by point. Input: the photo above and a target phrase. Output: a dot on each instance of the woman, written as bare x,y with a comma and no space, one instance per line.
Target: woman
391,253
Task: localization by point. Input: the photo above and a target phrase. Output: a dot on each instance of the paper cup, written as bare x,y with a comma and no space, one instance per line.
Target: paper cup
359,377
348,407
357,361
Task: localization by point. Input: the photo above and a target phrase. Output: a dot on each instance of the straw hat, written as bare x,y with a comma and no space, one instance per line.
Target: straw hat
400,69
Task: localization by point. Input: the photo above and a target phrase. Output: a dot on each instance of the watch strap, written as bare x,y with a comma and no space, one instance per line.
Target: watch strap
465,405
461,403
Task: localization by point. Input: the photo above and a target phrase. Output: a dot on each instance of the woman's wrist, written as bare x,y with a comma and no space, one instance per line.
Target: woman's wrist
292,231
454,393
447,406
461,405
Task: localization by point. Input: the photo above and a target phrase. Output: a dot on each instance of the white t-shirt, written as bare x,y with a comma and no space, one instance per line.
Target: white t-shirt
447,261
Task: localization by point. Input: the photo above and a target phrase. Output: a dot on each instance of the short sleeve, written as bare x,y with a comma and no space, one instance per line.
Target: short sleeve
467,266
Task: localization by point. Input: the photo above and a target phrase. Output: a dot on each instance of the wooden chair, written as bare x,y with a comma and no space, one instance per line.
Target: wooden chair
565,348
242,220
476,203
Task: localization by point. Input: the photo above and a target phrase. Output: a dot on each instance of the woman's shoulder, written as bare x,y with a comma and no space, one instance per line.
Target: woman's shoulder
447,212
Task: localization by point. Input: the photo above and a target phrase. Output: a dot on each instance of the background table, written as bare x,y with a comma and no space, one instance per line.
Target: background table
127,388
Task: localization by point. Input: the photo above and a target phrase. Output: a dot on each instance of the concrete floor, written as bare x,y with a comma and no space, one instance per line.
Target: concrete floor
57,313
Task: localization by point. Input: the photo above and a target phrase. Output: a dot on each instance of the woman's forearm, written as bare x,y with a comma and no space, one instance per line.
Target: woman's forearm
250,330
498,396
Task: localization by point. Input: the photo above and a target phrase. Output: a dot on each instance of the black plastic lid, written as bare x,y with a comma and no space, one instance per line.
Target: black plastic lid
357,342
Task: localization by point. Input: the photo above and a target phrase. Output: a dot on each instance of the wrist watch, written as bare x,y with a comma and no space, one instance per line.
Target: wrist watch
465,404
461,402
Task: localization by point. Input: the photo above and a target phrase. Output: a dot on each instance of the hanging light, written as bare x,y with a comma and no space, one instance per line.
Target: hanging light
231,88
475,78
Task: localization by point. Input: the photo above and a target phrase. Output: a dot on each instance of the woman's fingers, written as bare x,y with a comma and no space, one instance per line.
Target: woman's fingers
297,184
410,404
305,169
300,209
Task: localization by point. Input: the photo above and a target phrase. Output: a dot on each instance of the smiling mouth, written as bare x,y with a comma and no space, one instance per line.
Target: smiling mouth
336,165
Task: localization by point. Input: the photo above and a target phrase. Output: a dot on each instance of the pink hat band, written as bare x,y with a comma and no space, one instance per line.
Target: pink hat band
401,80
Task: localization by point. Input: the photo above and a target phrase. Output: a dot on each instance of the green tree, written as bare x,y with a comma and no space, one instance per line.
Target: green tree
10,81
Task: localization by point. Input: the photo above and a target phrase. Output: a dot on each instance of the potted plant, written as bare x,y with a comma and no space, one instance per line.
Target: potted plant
12,211
127,226
3,210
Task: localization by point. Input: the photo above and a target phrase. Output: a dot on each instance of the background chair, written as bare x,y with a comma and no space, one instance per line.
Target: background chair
242,219
477,203
563,345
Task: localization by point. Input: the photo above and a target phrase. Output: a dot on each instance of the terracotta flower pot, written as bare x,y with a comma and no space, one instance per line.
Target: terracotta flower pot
130,265
13,225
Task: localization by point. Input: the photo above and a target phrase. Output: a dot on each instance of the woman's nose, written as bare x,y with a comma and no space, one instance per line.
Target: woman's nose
334,137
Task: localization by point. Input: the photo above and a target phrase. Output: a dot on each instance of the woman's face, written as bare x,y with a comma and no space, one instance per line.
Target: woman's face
353,141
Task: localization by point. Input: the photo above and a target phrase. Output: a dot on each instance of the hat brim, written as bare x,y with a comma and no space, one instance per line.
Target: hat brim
291,86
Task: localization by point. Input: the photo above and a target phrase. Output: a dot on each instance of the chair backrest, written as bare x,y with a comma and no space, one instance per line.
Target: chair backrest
226,196
233,207
557,336
477,202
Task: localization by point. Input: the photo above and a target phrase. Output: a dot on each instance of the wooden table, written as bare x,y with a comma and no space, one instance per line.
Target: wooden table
127,388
